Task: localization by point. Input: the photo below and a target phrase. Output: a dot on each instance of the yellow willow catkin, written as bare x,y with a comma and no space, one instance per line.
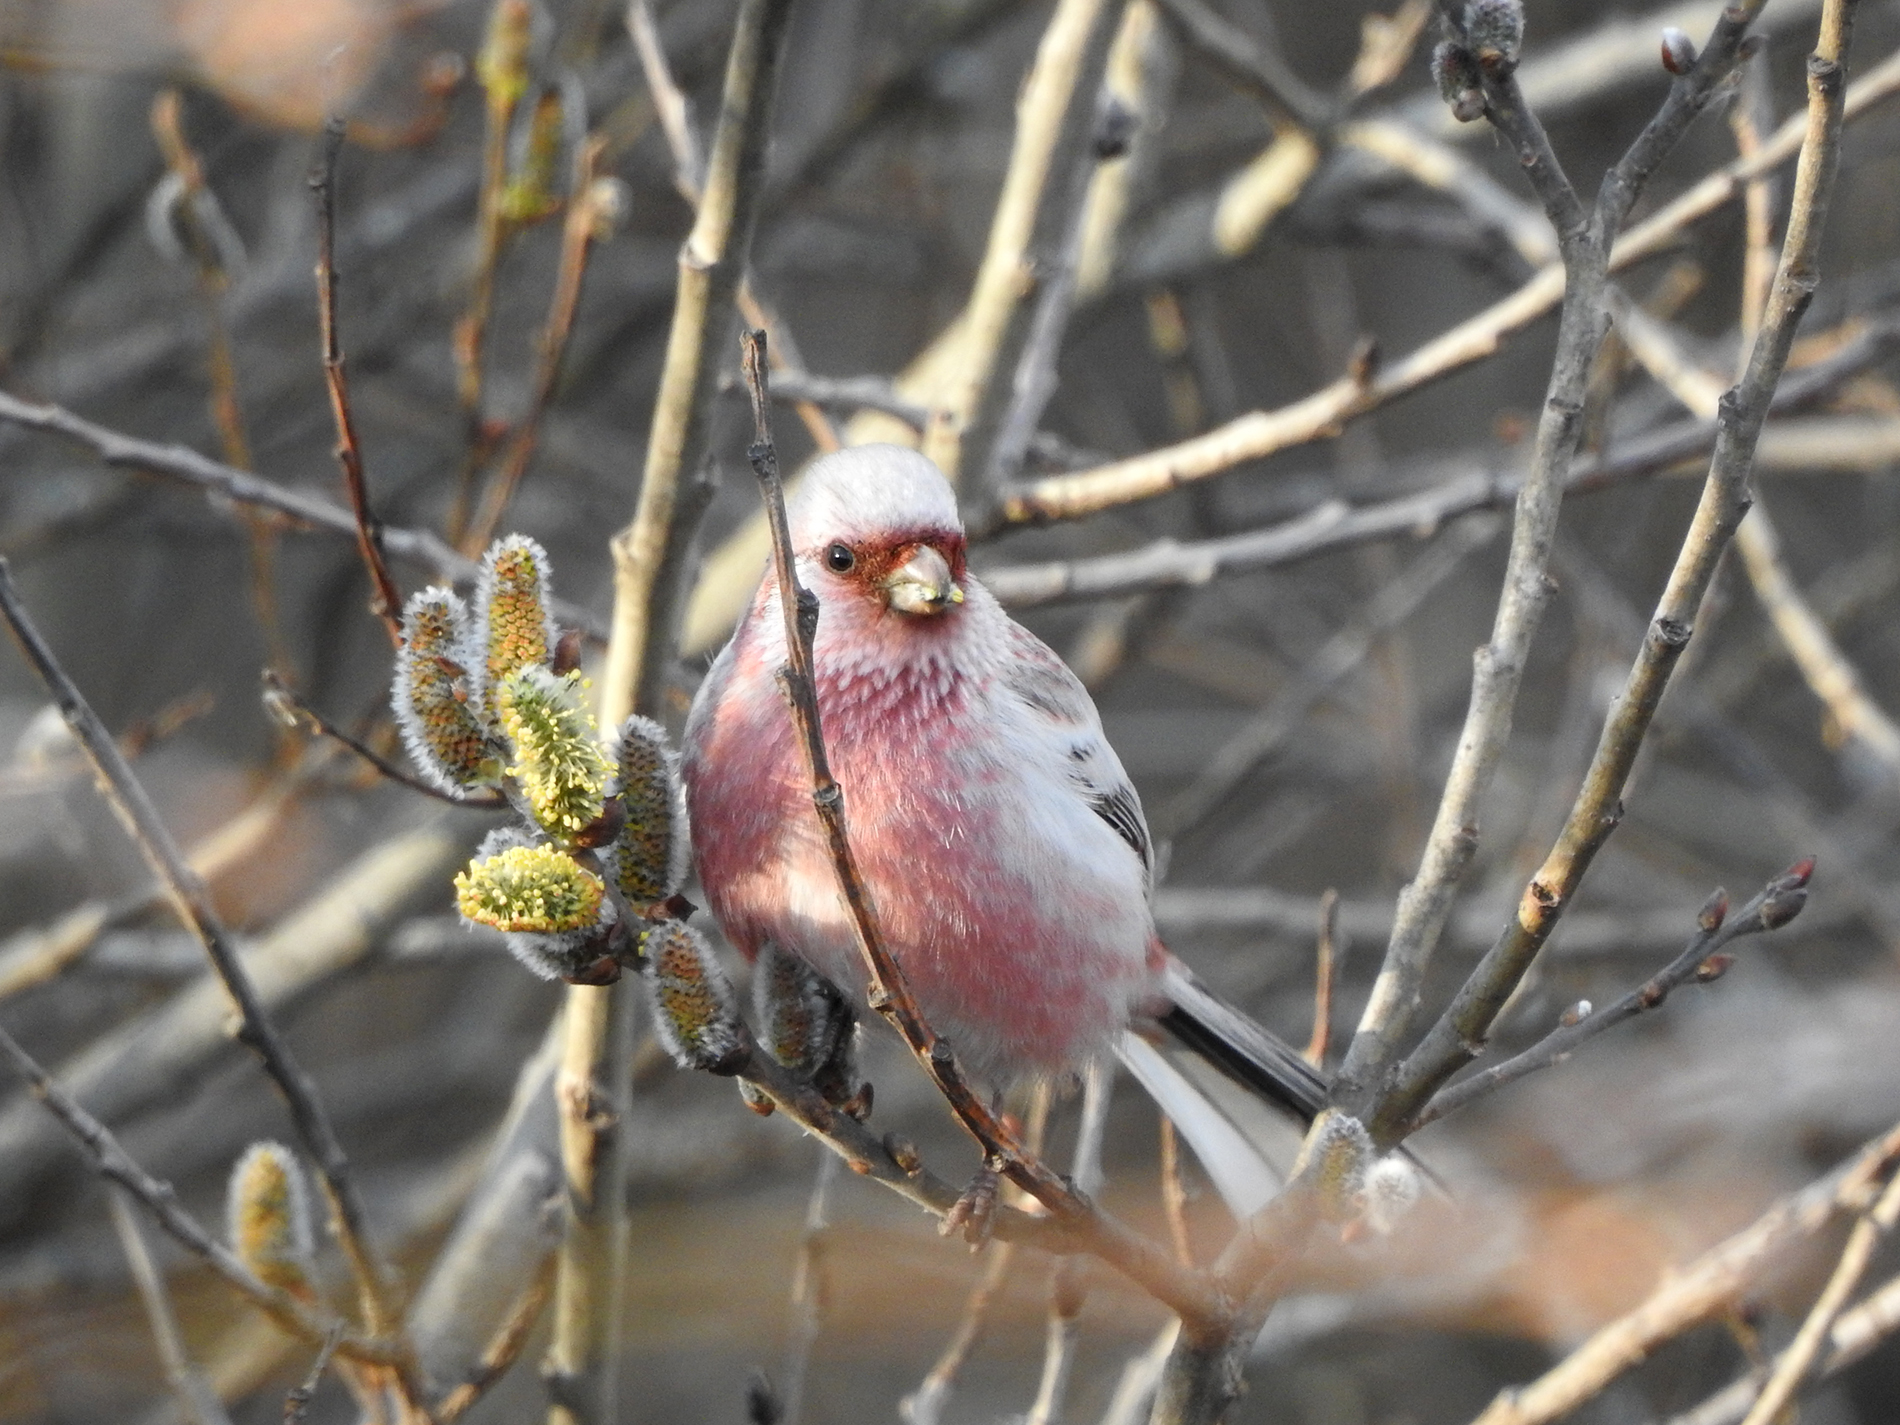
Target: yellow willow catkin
269,1213
529,888
440,729
513,628
558,760
648,857
1341,1151
694,1008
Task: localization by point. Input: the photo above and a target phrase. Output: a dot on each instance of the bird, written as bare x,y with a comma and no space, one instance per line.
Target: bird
1003,845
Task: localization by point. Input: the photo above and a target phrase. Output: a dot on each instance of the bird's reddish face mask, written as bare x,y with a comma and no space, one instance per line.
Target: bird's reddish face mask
914,573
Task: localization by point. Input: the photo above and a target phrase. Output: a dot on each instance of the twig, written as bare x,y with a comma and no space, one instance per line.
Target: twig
887,993
1068,1285
808,1294
1028,231
1333,524
1325,971
589,208
650,554
297,1400
1289,103
386,602
1174,1195
197,1402
1855,1333
1462,1028
1585,237
112,1161
924,1406
1797,1363
1771,908
510,1339
1715,1281
287,702
178,462
192,903
1259,434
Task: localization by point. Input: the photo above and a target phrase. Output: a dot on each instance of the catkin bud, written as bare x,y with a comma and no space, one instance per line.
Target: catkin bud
513,628
1459,83
1392,1190
558,759
532,889
531,193
694,1007
1495,31
443,734
269,1219
803,1020
1339,1150
648,856
502,65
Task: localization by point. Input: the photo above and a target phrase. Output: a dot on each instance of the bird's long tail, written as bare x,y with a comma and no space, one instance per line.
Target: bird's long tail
1241,1097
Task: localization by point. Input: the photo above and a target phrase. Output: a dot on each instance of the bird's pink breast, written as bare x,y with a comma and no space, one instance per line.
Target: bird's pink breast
1019,955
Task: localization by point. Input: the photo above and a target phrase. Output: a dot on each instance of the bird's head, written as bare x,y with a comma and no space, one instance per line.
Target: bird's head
879,522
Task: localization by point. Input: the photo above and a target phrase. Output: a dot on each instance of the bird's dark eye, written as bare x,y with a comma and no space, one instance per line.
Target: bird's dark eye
840,559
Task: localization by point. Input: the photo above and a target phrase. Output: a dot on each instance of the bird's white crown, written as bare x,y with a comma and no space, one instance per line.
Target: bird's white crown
867,491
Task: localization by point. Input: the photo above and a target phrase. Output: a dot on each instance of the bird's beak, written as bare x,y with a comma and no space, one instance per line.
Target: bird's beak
922,584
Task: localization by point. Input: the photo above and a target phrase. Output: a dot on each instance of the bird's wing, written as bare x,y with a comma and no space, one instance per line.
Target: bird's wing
1061,713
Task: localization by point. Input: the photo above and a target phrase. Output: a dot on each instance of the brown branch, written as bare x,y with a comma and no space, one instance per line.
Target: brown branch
286,702
386,602
510,1339
181,463
1772,907
887,993
1325,971
197,1402
1716,1281
192,903
110,1160
1462,1029
589,213
1318,416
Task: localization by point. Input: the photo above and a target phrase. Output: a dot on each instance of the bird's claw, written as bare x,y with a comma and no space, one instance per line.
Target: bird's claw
973,1213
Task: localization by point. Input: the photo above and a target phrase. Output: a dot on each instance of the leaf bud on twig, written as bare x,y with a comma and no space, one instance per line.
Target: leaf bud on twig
558,758
1782,907
502,66
648,857
1576,1014
756,1098
1714,911
1678,51
694,1007
512,626
269,1219
430,698
1713,968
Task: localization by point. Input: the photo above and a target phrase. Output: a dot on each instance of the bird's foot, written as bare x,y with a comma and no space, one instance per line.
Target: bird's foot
973,1213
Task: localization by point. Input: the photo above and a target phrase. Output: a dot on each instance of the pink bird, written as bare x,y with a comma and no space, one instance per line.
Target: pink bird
1003,845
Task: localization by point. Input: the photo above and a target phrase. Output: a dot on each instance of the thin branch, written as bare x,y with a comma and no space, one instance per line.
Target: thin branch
197,1401
887,993
386,602
650,555
1032,221
1585,240
285,701
808,1294
1771,908
510,1340
1462,1029
590,208
192,903
1325,971
1258,434
1716,1281
1334,524
297,1400
1068,1282
1855,1333
181,463
112,1161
